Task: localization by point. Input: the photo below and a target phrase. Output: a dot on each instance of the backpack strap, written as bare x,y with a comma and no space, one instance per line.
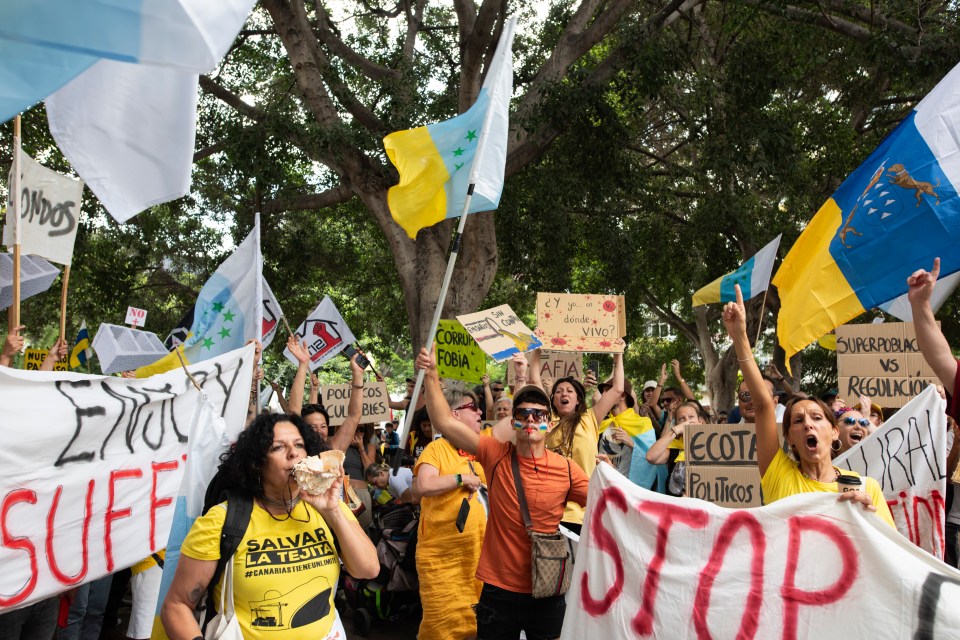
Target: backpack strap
239,510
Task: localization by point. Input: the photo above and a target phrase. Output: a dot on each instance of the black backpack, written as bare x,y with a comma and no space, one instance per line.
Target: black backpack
239,509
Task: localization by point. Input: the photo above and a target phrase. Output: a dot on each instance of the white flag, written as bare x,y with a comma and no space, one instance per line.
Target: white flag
49,212
325,332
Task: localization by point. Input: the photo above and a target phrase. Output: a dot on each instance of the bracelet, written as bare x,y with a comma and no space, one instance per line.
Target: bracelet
356,386
745,359
459,480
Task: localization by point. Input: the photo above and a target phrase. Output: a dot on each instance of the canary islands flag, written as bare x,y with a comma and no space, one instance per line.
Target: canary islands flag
894,214
438,162
81,348
228,311
753,276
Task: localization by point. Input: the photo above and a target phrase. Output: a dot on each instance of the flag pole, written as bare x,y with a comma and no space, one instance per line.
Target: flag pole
258,315
63,302
763,308
432,334
15,202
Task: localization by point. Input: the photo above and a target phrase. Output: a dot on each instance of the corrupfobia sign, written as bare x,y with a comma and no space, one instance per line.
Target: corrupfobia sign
652,566
91,465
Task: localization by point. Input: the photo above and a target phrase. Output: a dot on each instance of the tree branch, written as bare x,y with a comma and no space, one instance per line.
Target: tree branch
328,36
329,198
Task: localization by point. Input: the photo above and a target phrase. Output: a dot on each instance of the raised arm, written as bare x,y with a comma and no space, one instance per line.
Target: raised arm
735,320
300,352
611,396
283,401
344,436
314,389
933,345
532,371
441,418
488,399
684,388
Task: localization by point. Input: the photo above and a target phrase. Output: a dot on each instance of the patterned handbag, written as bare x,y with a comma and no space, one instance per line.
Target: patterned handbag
551,567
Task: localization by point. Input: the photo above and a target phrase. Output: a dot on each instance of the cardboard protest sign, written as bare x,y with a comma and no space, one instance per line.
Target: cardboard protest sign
808,566
335,398
499,332
722,464
907,455
90,467
136,317
881,361
575,322
33,358
325,332
554,365
458,355
49,212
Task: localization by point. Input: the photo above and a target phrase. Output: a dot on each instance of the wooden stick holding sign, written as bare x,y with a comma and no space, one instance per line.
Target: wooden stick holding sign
63,302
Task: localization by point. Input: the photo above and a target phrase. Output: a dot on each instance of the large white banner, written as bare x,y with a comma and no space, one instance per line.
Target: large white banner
907,455
49,212
652,566
90,467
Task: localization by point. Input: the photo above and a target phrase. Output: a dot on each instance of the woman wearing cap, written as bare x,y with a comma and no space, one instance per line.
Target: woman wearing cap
575,432
809,429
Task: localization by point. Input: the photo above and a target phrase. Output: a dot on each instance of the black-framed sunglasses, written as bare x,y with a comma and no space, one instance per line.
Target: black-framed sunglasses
863,422
540,415
668,400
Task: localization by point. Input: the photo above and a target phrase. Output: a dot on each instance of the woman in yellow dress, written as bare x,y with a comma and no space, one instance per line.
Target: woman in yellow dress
450,534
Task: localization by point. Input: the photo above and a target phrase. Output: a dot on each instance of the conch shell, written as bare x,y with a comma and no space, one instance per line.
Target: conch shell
316,474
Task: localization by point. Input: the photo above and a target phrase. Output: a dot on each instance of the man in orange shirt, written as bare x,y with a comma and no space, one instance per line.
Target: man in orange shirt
549,481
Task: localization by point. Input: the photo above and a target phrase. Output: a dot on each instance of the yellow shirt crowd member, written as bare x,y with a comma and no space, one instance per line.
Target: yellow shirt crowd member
783,478
285,572
583,452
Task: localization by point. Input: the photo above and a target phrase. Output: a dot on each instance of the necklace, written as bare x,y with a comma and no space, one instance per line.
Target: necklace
536,467
286,505
836,474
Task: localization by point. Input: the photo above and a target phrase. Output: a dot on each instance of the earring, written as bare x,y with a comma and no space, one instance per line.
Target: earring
835,445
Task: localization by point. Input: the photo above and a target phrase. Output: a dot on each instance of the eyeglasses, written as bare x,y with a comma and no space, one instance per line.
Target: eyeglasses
668,400
469,406
746,397
863,422
540,415
496,389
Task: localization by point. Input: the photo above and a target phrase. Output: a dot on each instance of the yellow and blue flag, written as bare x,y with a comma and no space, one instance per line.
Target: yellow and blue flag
80,353
894,214
753,276
438,162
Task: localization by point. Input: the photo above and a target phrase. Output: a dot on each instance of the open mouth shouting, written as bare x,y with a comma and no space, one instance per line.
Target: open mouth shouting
812,442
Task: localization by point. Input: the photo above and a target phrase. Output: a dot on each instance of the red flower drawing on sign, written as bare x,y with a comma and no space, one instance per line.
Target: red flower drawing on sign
609,306
606,344
558,341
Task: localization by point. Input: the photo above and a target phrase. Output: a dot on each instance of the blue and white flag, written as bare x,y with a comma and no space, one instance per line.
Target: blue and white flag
753,276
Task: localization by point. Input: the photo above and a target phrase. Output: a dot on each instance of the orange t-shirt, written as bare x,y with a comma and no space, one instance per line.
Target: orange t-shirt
505,555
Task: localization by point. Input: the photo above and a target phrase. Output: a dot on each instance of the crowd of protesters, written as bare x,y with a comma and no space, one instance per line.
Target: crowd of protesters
481,471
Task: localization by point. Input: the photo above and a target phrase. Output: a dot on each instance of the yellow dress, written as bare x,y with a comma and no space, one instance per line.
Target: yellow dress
447,559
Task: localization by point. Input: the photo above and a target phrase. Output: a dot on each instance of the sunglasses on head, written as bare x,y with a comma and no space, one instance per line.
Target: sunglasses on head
540,415
863,422
469,406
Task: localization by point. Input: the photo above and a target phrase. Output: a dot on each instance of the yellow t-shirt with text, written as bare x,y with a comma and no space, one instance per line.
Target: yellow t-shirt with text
783,478
285,572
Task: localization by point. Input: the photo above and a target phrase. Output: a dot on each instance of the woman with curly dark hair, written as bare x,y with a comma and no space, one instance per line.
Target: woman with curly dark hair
284,573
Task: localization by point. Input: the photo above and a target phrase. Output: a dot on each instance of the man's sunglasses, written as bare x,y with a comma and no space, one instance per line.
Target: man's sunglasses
540,415
746,397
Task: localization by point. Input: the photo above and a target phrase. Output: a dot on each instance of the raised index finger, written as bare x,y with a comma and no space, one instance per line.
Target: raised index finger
739,293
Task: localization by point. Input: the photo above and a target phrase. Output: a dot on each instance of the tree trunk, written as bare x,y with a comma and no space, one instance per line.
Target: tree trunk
422,265
720,371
